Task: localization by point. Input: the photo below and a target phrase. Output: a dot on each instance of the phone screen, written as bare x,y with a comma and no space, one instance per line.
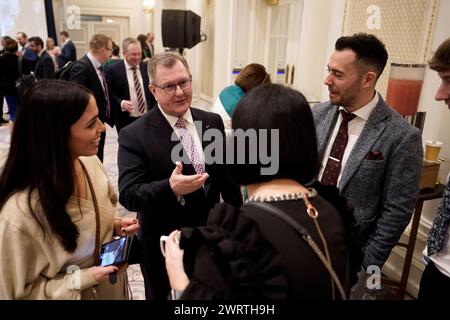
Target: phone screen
114,252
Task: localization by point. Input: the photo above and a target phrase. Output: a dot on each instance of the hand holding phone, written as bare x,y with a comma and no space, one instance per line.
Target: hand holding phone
115,252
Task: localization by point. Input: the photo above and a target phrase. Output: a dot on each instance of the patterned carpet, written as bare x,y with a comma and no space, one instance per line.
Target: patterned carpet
110,162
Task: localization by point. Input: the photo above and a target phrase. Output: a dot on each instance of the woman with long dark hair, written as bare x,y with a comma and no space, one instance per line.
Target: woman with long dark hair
57,206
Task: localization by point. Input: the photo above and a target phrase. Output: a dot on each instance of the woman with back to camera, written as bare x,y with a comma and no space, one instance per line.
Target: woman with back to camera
264,249
251,75
57,206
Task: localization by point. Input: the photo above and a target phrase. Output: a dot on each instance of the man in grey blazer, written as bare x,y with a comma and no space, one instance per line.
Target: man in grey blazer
377,158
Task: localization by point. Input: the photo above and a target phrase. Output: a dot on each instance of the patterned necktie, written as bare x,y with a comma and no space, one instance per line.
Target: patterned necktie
105,91
188,143
137,88
333,168
440,224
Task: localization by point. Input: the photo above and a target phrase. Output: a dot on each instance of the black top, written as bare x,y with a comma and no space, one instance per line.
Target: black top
9,73
248,253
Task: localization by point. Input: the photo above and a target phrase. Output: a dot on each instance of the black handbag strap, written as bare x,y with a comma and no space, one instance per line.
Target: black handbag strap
266,207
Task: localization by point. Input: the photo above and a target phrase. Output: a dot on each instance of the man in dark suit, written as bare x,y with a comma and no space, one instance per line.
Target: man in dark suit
88,71
435,282
28,59
128,84
369,151
166,193
68,50
44,67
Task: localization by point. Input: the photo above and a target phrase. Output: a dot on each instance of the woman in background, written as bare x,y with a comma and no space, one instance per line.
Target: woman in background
250,76
57,206
52,50
115,56
146,54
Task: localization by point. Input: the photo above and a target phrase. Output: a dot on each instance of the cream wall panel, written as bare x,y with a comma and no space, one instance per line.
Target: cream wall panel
223,39
405,29
207,50
131,9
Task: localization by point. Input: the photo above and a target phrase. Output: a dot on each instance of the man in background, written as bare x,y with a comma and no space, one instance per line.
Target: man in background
68,50
28,59
88,71
435,282
45,67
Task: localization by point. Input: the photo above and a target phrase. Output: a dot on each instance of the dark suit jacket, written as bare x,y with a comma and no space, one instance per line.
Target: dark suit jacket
120,90
9,73
68,53
28,61
85,74
145,166
45,67
384,189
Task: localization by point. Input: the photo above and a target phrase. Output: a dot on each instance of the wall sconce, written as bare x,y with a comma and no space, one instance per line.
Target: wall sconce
148,6
272,2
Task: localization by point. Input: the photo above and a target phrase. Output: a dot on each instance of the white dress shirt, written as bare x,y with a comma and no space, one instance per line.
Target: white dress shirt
96,65
355,127
190,126
133,96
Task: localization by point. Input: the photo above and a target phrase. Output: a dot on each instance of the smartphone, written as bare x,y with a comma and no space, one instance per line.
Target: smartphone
115,252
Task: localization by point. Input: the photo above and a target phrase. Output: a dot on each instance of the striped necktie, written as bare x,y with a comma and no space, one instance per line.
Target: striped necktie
189,145
138,90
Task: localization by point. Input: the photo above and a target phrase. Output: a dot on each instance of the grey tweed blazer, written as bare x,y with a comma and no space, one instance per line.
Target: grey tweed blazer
383,188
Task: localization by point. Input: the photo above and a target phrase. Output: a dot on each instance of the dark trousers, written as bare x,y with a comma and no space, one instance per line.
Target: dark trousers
434,285
156,281
101,146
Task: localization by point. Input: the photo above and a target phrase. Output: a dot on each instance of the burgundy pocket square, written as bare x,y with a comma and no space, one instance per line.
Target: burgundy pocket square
375,155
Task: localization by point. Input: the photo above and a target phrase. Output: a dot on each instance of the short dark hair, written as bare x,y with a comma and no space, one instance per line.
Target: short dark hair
369,50
37,41
39,159
251,76
64,33
11,45
441,58
166,59
23,34
116,49
274,106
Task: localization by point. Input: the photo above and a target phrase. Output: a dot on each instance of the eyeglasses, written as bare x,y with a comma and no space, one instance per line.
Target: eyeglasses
171,88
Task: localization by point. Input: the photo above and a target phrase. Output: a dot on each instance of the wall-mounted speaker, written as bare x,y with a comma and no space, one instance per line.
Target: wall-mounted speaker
180,28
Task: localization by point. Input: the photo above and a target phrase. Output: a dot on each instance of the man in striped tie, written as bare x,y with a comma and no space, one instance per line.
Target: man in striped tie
168,192
128,83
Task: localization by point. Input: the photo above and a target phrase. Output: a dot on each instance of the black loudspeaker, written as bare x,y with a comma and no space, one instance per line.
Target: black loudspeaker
180,28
